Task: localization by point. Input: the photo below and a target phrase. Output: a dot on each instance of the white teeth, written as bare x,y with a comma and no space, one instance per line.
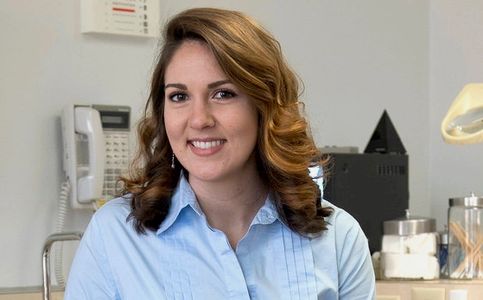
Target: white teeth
206,145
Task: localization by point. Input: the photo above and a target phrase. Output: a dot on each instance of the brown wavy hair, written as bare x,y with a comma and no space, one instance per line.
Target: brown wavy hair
252,59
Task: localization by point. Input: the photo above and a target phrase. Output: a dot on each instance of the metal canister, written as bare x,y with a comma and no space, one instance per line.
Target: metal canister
465,234
409,248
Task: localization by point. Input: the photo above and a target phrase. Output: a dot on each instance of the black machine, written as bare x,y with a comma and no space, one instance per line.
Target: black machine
371,186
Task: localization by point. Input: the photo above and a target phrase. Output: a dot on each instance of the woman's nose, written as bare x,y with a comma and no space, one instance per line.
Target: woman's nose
201,115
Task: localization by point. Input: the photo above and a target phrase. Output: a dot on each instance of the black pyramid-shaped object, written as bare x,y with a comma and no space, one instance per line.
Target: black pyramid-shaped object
385,138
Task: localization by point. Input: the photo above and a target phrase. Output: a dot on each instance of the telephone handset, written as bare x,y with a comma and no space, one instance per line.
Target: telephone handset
96,150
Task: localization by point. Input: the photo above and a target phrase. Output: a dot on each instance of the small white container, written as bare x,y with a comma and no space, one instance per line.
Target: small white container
409,249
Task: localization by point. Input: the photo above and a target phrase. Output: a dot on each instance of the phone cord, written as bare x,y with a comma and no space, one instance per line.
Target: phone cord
61,213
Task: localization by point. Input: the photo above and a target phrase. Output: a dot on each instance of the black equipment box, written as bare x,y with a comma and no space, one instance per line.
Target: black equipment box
372,187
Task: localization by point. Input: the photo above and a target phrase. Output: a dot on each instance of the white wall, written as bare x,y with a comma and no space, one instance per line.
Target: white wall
356,59
456,58
46,63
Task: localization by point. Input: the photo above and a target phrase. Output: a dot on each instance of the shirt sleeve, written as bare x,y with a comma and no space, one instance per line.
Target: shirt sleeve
90,275
356,273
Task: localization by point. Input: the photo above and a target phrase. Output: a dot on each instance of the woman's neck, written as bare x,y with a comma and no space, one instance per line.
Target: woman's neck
231,205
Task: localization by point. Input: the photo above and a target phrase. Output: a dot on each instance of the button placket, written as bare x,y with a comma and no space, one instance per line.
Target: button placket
234,277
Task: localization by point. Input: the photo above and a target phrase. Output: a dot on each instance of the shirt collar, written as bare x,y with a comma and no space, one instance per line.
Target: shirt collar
184,196
267,214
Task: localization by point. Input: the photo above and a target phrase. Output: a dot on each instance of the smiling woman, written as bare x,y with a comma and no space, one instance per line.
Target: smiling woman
211,124
220,204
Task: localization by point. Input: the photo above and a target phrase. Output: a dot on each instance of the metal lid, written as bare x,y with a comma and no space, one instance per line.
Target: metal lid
409,225
471,200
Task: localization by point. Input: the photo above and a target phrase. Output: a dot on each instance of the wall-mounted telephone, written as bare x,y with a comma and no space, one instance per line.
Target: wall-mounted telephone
96,150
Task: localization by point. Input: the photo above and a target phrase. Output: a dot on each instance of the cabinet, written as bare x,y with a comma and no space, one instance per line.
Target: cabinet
422,290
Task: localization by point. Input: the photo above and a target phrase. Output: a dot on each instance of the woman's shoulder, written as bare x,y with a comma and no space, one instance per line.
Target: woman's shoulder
115,209
346,244
339,216
342,228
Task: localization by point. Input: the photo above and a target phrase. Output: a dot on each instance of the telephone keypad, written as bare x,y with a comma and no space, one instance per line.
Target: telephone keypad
117,160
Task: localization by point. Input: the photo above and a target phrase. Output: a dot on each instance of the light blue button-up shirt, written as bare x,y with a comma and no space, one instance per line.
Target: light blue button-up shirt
188,259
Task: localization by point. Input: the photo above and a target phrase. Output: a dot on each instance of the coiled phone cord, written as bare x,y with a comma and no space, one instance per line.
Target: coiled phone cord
61,213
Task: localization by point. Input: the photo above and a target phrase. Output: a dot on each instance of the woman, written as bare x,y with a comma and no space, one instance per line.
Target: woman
221,205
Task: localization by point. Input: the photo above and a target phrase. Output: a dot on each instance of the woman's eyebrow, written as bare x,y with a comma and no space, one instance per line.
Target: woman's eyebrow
176,85
184,87
218,83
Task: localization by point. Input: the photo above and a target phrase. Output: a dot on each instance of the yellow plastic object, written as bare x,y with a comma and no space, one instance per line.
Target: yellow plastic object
463,123
99,203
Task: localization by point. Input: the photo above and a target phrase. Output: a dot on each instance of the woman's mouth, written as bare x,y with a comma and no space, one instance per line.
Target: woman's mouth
206,147
207,144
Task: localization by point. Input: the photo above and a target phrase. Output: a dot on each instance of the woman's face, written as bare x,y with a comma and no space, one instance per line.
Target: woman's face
211,124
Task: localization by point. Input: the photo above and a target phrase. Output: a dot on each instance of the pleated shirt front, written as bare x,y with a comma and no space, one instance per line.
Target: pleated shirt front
188,259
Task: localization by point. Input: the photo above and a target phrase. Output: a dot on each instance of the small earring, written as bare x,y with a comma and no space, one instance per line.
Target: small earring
172,161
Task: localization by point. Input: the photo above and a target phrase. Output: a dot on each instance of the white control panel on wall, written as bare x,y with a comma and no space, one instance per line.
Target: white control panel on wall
127,17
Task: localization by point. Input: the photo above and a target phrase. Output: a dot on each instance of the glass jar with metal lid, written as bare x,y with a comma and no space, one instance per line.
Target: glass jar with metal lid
465,233
409,248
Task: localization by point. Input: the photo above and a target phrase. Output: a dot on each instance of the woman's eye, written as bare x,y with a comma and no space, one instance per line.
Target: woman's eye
178,97
223,94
